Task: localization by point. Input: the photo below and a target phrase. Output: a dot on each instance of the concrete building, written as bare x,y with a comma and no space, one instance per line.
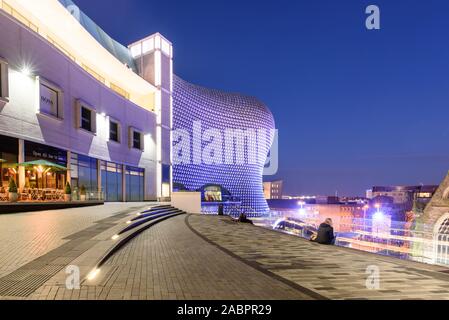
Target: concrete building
273,190
70,96
402,194
73,98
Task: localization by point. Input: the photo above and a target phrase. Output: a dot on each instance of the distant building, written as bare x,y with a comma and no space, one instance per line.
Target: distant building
273,190
396,201
342,214
327,200
403,194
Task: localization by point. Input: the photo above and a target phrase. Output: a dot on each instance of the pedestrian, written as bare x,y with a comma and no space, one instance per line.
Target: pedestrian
325,233
243,219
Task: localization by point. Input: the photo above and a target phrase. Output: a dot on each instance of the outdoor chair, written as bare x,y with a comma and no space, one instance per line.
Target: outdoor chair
4,197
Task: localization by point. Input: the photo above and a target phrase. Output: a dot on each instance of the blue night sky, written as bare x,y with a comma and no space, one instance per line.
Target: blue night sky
354,108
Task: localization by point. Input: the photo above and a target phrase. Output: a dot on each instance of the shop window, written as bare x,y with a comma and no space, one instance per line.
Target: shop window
86,117
50,99
114,131
84,172
4,82
111,181
135,184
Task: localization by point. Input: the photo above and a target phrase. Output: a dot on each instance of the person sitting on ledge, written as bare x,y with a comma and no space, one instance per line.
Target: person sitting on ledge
325,233
243,219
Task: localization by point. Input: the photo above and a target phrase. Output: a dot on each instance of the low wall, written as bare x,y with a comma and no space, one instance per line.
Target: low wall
189,202
20,207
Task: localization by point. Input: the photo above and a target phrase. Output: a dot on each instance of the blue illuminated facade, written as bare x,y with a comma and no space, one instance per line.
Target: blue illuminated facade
222,111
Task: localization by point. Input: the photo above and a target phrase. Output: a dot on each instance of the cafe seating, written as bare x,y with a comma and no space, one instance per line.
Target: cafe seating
4,196
45,195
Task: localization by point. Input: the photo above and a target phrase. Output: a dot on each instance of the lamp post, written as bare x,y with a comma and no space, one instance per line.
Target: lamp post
365,209
377,216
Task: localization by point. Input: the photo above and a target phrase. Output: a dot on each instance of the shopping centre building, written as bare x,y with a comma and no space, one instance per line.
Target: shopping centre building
74,101
73,98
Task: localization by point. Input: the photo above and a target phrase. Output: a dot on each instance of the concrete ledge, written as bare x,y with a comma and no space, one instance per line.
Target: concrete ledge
19,207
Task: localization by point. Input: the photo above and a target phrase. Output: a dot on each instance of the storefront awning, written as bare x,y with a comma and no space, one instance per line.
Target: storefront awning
43,163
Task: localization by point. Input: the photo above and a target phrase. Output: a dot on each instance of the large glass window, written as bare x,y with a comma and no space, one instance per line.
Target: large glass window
45,178
166,179
84,172
9,149
135,184
111,181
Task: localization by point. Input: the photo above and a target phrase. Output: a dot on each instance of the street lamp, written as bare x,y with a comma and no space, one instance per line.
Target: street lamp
378,217
365,209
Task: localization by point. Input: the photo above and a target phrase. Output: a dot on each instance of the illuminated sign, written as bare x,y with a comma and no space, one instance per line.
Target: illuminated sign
48,100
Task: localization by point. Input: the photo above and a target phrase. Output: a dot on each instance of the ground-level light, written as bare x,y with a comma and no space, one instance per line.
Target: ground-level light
93,274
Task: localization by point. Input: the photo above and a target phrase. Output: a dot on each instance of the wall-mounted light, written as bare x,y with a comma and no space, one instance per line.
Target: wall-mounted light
26,70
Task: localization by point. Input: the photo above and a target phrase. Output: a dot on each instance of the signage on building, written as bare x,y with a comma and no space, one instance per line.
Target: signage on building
48,100
35,151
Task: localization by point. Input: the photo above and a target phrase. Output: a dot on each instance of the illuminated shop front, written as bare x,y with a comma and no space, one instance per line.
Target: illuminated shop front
40,176
9,150
97,115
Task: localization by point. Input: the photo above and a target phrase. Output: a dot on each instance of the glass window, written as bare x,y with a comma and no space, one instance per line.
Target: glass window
4,80
86,119
48,178
84,172
137,140
9,150
135,184
111,181
166,173
114,131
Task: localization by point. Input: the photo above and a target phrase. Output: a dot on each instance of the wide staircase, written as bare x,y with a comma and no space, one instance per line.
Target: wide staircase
138,224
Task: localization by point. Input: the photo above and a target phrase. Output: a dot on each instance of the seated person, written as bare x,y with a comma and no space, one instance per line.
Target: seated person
243,219
325,233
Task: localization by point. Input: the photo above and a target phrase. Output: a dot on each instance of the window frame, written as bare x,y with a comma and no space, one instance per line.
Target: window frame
119,130
60,99
4,81
132,131
80,105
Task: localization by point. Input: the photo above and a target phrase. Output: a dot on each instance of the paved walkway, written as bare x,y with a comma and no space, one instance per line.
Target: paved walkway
204,257
27,236
336,273
169,261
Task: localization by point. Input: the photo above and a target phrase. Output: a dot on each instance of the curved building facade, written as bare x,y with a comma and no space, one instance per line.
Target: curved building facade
212,154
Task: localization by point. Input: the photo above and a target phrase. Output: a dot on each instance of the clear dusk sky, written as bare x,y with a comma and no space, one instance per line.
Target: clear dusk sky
354,108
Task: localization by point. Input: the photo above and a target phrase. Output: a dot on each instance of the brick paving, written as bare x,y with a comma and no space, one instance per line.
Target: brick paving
27,236
336,273
170,262
204,257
